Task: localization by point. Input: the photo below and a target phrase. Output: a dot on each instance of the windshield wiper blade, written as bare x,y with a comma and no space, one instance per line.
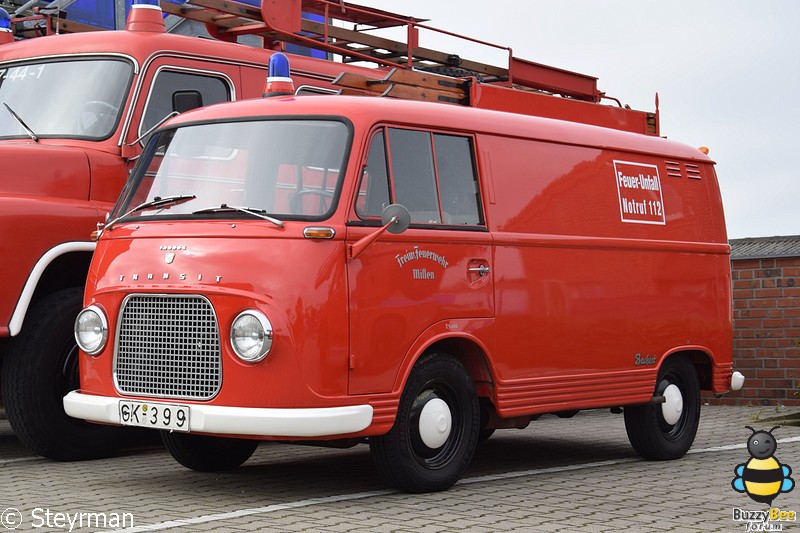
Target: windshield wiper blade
155,202
29,131
260,213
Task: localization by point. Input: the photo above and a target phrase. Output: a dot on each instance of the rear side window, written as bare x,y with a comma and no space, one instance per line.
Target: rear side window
431,174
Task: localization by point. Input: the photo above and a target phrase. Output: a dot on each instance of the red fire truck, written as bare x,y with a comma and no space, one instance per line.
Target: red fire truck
76,109
410,274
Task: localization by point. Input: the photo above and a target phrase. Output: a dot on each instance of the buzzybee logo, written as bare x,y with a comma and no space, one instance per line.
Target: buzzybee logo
762,477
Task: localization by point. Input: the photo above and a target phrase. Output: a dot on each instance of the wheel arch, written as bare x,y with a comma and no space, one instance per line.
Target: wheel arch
464,346
65,265
702,361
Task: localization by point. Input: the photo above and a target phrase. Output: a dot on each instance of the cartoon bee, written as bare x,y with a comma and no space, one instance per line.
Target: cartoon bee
762,477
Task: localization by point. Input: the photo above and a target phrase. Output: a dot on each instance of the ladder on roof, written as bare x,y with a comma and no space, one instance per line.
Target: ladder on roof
284,23
408,70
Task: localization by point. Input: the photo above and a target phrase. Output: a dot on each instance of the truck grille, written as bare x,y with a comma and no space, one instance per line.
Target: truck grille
168,346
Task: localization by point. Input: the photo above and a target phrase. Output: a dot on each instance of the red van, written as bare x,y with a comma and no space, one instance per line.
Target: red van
409,274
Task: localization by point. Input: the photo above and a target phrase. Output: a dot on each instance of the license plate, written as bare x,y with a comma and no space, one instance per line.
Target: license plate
154,415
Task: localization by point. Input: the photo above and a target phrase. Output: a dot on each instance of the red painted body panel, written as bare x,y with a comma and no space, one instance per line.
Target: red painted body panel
586,297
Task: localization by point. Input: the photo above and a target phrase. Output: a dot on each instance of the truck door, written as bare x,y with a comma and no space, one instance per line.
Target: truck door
435,275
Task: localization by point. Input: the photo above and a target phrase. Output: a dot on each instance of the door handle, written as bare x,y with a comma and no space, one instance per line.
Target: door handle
482,270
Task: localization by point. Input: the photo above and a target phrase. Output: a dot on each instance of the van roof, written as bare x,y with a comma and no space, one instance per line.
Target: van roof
365,111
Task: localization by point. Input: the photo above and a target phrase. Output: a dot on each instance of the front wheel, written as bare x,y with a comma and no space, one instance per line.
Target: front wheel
436,429
205,453
39,369
667,430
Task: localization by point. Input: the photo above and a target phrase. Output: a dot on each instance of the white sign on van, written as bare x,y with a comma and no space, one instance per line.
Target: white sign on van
639,189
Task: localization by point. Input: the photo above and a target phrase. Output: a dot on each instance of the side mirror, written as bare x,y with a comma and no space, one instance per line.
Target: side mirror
395,219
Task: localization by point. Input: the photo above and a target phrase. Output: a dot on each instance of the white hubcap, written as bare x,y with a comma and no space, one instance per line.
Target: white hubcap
673,407
435,423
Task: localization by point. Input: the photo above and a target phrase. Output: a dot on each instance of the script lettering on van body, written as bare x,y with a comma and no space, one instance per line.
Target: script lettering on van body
639,191
417,254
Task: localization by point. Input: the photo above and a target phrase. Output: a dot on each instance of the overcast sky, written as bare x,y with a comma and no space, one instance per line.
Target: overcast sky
727,73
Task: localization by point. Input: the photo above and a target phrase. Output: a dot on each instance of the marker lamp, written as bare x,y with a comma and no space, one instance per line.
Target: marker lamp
91,330
251,336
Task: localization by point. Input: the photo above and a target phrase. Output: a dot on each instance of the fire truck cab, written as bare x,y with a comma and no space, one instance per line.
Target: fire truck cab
410,274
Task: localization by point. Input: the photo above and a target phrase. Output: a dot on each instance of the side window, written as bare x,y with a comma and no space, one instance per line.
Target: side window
160,101
458,184
431,174
373,194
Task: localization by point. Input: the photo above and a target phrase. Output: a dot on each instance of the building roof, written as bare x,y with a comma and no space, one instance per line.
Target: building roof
765,247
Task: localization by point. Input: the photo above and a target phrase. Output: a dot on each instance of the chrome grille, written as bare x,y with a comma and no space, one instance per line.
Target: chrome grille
168,346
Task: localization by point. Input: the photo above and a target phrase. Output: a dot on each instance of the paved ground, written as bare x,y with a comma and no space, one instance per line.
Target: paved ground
576,474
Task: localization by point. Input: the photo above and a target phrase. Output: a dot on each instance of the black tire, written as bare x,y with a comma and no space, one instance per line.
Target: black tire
40,367
402,457
205,453
650,434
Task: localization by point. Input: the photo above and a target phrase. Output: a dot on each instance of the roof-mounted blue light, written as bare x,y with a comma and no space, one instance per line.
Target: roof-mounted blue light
5,20
278,66
279,80
147,3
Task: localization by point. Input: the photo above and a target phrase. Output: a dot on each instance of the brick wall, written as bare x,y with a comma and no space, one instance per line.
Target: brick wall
766,331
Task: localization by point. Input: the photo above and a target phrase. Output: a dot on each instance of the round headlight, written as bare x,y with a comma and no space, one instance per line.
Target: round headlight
91,330
251,336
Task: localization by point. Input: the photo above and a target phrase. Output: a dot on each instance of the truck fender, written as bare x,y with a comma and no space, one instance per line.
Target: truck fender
475,331
21,309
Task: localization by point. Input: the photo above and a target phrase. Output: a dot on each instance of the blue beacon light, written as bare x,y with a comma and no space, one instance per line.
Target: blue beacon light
279,81
5,20
6,35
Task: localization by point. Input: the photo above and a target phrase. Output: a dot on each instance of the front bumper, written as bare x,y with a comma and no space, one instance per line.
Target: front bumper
220,420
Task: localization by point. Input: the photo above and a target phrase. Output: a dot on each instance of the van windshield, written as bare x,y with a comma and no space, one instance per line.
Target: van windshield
79,98
286,169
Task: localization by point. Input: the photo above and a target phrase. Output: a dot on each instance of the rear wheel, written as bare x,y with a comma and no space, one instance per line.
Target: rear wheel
40,367
436,429
667,430
205,453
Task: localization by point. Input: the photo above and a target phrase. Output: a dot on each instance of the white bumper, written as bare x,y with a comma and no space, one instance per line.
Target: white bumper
315,422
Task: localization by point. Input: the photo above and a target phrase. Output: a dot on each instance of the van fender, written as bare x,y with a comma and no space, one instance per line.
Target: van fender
478,331
713,374
21,309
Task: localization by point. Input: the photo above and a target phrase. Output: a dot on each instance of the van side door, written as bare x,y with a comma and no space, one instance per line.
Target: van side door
430,280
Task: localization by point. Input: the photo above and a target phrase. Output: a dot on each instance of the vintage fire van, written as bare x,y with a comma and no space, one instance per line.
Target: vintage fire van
408,274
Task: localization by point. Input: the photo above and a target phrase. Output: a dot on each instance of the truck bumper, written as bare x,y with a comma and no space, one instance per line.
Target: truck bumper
221,420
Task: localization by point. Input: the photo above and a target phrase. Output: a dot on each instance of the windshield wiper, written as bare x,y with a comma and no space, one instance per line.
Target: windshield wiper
29,131
260,213
155,202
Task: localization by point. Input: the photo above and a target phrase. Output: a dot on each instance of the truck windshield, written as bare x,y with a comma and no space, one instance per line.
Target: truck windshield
284,169
79,98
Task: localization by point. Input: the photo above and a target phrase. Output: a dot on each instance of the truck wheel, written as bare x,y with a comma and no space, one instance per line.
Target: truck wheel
40,367
205,453
666,431
436,429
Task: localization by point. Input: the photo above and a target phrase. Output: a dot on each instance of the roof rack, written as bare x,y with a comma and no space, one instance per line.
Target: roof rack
520,86
406,69
284,23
